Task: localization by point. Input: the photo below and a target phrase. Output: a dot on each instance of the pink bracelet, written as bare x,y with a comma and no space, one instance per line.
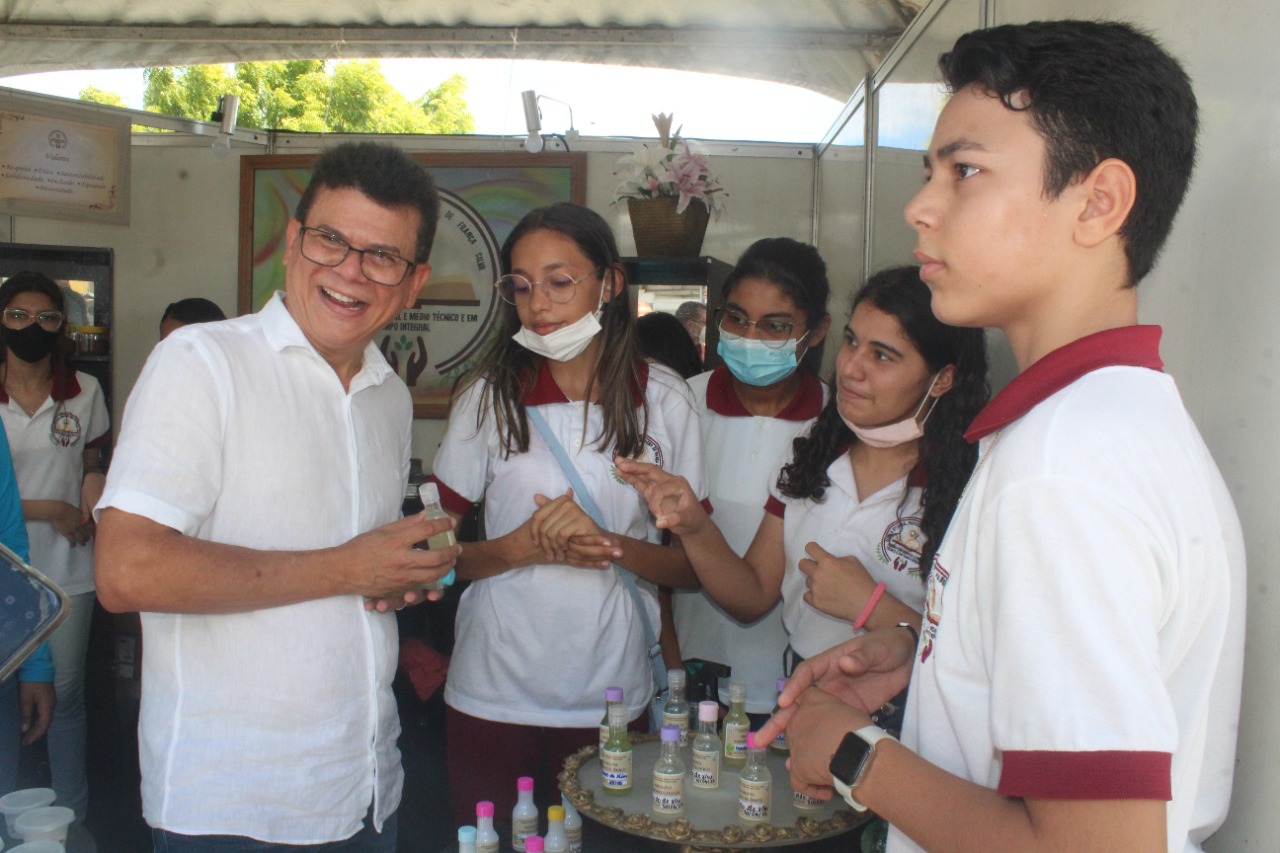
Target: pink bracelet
871,605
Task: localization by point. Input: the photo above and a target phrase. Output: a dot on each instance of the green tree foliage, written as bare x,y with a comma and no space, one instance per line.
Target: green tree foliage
94,95
308,96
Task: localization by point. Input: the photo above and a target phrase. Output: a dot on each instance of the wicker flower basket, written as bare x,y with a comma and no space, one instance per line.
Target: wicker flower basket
660,232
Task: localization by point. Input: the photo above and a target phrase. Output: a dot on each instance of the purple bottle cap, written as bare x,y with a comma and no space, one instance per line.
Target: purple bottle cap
670,734
613,694
484,808
782,682
524,783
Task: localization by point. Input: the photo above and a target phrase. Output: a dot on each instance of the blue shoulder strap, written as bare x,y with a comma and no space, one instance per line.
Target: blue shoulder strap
583,496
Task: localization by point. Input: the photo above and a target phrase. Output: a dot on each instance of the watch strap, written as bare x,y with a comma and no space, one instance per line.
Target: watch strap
872,735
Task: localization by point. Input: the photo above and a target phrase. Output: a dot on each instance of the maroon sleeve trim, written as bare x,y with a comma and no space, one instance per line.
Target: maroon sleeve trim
99,442
451,500
706,506
773,506
1102,775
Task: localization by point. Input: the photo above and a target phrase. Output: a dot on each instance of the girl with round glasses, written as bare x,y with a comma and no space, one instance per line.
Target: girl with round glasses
56,422
772,326
546,623
857,510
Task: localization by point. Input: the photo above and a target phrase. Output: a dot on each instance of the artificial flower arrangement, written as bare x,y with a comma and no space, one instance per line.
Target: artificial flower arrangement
672,168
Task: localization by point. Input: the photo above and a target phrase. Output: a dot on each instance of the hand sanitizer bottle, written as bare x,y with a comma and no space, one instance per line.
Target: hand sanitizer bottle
572,825
555,841
486,837
668,777
616,759
736,726
754,785
676,711
706,747
524,817
431,508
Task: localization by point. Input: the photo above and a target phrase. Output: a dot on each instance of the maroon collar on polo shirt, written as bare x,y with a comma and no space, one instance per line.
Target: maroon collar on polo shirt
61,390
545,390
1127,346
722,400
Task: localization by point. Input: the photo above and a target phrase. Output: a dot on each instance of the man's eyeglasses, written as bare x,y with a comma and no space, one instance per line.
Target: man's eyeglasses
559,287
329,250
774,333
18,318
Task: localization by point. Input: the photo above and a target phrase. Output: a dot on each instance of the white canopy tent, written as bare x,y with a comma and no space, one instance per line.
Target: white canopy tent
824,45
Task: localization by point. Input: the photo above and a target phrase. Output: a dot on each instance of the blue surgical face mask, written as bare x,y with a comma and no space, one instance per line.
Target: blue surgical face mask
754,362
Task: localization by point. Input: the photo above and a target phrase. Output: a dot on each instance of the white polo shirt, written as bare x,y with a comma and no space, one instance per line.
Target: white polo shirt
883,532
49,461
278,724
1085,627
742,453
538,646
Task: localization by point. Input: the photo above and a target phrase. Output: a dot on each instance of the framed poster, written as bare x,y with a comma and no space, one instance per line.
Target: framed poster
482,197
63,162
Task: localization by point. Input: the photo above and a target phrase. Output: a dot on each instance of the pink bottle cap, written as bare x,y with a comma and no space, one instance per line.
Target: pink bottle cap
751,740
484,808
524,783
708,712
533,844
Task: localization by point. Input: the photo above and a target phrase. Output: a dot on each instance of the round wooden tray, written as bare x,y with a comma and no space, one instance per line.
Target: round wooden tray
711,816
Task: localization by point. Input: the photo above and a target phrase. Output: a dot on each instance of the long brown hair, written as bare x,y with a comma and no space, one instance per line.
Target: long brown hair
510,370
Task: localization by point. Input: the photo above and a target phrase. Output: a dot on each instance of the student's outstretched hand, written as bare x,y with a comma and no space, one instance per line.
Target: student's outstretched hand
839,586
864,673
671,500
566,534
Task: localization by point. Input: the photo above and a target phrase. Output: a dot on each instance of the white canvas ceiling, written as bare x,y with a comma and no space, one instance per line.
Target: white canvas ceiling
824,45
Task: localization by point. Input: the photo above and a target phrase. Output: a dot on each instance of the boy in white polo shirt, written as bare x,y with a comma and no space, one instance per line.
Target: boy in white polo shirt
1076,684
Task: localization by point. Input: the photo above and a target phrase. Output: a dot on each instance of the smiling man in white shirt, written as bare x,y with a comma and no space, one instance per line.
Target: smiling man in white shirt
251,513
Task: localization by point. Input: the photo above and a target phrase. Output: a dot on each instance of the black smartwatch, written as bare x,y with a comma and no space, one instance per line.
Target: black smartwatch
852,761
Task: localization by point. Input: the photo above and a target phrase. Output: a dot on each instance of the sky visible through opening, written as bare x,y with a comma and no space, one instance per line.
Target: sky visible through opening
605,100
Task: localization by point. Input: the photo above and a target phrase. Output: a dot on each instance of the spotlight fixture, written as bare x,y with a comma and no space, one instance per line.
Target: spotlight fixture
225,115
532,121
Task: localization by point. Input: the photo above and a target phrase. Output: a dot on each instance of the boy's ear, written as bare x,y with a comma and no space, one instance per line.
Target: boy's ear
1110,191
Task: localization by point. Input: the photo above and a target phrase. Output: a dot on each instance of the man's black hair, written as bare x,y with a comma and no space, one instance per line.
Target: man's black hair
387,176
1094,90
195,309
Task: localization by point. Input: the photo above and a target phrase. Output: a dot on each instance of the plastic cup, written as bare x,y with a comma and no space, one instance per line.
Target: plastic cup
39,847
45,824
17,802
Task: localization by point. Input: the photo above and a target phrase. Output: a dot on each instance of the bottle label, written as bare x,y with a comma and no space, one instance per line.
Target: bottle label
487,846
668,793
706,768
681,720
604,736
804,802
616,769
753,800
574,834
522,826
735,741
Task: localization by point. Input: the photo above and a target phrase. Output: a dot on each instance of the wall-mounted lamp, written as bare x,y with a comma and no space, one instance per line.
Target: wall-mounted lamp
532,121
225,115
533,143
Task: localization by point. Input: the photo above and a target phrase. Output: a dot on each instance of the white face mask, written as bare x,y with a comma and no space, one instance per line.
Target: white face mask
898,432
566,343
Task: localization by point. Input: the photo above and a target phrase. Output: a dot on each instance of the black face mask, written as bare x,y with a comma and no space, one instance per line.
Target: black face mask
30,344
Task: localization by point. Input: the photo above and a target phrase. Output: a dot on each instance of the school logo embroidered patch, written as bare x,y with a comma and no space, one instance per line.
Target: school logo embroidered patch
901,545
651,453
66,429
933,607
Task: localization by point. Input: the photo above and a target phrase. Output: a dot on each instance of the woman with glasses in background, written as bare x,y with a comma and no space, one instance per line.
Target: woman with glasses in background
57,425
856,512
547,623
772,327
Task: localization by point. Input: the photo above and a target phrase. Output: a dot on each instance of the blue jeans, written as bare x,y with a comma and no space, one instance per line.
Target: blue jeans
10,734
367,840
67,732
